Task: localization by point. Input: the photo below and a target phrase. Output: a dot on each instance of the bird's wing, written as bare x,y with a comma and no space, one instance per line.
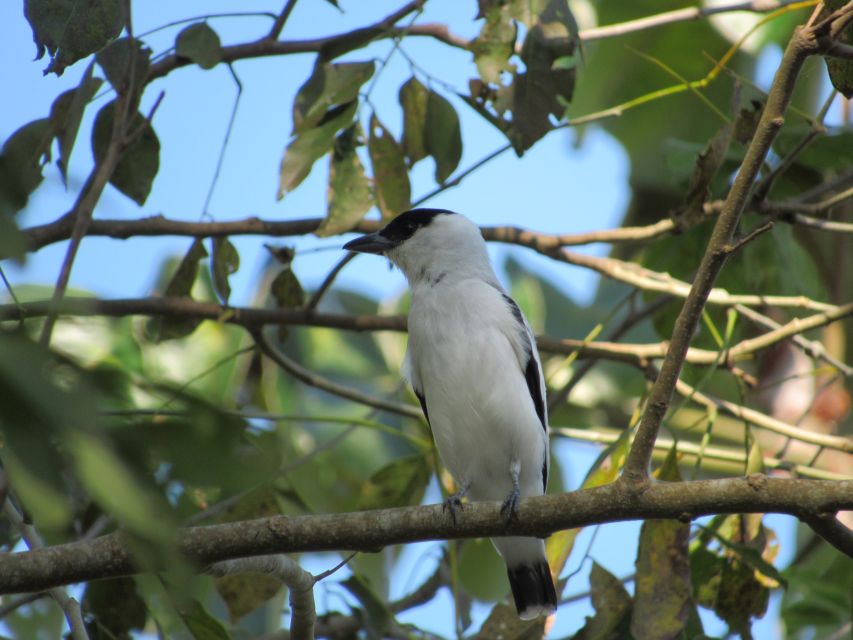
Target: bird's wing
532,369
417,387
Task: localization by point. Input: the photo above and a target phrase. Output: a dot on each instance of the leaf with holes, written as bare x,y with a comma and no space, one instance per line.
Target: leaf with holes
224,262
350,196
310,145
443,137
413,98
390,176
495,44
330,85
68,33
138,165
199,43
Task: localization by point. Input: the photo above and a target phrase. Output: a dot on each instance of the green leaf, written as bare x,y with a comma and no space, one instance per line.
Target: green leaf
179,286
443,137
70,31
200,43
390,176
840,70
115,60
136,169
482,573
705,569
66,114
243,593
116,605
13,242
116,489
413,98
310,145
496,43
400,483
350,196
663,594
21,161
201,624
224,262
740,597
329,86
612,605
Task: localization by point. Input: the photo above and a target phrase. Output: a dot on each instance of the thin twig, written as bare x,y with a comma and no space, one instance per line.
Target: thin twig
281,19
311,305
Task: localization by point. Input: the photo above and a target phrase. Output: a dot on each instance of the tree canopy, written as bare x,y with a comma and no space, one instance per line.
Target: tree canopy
180,462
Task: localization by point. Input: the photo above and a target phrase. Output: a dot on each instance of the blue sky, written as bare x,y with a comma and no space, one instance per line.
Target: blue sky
555,187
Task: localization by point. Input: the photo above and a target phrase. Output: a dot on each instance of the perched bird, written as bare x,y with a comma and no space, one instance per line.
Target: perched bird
473,364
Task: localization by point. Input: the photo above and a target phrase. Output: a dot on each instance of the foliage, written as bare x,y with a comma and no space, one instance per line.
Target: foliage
148,424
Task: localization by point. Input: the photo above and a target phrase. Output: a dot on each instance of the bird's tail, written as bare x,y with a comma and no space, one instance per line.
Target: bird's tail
532,589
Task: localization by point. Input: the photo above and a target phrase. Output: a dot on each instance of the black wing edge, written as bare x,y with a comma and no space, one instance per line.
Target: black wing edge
422,400
531,370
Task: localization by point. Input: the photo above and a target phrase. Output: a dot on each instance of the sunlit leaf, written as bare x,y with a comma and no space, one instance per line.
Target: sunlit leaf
443,136
310,145
138,165
69,33
330,85
496,42
390,176
200,43
349,194
413,98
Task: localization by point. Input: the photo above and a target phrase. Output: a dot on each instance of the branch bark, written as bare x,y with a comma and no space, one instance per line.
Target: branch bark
111,556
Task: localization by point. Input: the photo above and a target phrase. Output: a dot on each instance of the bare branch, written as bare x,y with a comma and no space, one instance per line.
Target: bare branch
831,529
300,585
110,556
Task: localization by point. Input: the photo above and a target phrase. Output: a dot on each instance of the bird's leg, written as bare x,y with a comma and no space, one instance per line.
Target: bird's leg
454,502
509,509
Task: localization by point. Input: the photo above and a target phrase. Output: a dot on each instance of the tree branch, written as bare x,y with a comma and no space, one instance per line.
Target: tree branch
802,44
111,556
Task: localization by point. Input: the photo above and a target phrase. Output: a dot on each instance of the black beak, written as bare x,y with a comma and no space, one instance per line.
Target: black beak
371,243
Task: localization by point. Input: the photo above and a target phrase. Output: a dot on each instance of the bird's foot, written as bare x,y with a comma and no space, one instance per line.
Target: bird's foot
453,503
509,508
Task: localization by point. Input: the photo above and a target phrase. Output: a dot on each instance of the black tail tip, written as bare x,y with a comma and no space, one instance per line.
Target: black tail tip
533,590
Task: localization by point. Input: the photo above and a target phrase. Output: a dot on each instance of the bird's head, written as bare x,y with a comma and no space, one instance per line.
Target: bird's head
429,244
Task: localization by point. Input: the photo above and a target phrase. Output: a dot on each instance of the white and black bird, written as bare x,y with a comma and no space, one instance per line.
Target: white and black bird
473,364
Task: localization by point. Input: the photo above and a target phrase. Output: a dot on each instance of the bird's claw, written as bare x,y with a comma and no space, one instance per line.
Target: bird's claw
509,508
453,503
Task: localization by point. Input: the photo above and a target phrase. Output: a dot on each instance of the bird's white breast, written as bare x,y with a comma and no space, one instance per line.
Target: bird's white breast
467,354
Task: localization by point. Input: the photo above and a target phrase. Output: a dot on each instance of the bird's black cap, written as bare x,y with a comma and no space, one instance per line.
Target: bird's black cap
395,232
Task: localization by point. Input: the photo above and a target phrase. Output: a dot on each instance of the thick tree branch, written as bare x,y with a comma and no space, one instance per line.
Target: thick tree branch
110,555
802,44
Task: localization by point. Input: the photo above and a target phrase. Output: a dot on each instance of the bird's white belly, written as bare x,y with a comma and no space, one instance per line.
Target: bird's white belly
482,417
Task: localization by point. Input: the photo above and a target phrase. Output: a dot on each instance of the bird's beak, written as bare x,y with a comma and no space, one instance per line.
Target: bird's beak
371,243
